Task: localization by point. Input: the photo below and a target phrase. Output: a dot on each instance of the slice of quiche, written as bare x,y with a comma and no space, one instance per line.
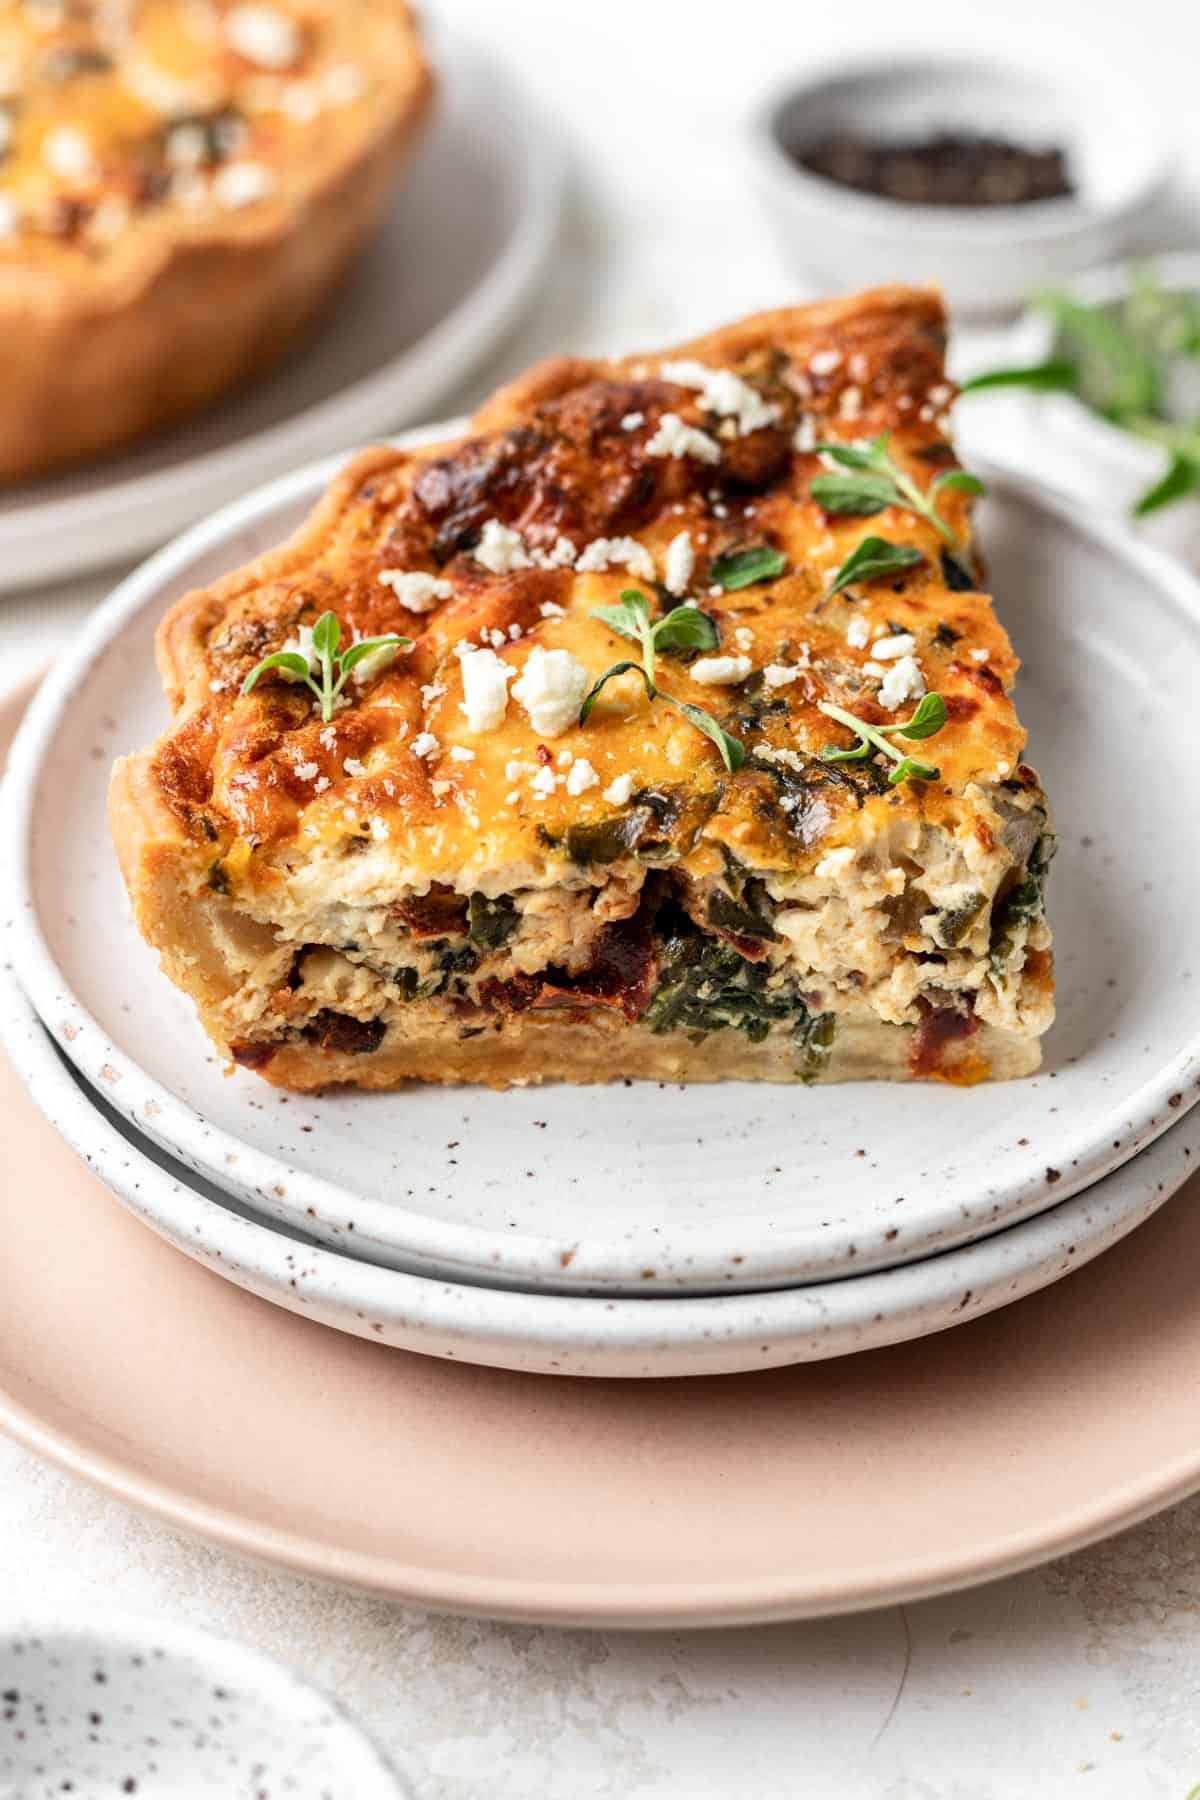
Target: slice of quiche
657,727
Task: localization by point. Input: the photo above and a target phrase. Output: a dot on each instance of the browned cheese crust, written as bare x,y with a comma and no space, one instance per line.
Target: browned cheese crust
406,892
183,185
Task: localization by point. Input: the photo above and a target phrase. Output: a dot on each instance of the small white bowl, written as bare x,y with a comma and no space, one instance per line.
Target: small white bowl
986,258
116,1705
1093,458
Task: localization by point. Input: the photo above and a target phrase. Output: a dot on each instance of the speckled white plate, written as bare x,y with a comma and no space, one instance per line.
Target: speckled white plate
112,1706
574,1334
459,255
615,1188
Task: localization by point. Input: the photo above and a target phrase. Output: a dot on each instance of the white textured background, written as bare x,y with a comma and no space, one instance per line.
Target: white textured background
1082,1678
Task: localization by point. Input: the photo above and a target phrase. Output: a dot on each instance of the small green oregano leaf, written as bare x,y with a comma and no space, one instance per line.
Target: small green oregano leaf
929,718
875,556
742,568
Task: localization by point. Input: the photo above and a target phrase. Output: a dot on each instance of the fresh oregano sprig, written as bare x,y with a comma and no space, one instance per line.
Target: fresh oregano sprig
334,666
928,719
875,556
869,480
683,628
743,568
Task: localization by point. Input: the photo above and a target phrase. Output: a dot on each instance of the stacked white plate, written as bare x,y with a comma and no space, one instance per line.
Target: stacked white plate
643,1230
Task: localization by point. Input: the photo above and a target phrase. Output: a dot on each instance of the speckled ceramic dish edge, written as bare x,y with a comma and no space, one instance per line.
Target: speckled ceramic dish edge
777,1193
558,1334
127,1705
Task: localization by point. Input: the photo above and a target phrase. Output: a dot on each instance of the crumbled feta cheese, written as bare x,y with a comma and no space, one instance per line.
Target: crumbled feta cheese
301,101
321,783
343,84
496,638
804,438
550,609
681,561
903,681
743,637
263,36
425,744
415,589
513,770
552,689
241,184
875,669
67,153
979,656
439,789
352,766
582,777
307,770
780,675
501,550
110,220
511,798
485,682
824,362
724,393
545,781
632,420
858,633
379,829
851,404
674,438
300,645
564,759
719,671
888,649
787,759
328,738
619,790
835,862
625,552
461,753
515,633
561,554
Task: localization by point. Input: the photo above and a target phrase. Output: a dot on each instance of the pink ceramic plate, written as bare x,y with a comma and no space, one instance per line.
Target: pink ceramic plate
829,1487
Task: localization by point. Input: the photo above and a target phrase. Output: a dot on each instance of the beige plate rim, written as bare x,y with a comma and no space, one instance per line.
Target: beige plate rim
666,1606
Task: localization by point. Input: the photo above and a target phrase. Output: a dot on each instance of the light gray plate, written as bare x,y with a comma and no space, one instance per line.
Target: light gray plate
710,1187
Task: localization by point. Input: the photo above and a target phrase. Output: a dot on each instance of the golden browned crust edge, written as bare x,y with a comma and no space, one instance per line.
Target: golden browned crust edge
174,321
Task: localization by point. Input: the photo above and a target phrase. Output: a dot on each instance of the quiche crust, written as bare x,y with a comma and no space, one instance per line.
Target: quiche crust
160,248
406,891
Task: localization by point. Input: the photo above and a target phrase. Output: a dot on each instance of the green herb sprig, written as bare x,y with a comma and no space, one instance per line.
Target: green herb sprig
875,556
743,568
1125,361
928,719
869,480
683,628
334,665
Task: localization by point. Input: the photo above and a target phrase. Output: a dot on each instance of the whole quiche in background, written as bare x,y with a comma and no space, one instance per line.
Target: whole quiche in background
182,185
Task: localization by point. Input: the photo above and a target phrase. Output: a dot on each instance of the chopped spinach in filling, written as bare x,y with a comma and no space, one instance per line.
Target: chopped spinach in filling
706,986
1023,904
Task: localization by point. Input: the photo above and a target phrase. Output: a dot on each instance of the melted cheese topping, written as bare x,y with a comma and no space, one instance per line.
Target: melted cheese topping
568,468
